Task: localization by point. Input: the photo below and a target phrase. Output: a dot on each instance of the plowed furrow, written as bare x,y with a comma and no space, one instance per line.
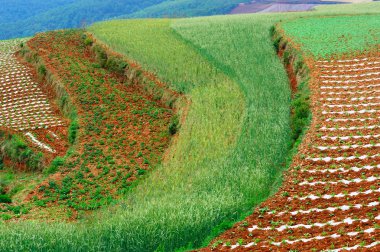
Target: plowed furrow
331,195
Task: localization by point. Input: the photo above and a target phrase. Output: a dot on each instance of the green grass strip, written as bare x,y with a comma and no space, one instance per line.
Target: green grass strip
328,36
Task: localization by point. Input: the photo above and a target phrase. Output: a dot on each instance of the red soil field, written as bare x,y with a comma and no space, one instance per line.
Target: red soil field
330,196
123,130
28,108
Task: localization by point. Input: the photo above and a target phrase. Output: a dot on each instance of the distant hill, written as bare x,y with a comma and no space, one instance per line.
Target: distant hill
16,10
19,18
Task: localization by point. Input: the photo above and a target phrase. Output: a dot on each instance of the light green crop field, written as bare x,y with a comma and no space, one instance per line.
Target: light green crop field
333,36
230,151
237,132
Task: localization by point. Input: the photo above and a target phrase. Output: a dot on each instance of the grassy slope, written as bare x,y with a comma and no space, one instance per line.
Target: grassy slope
364,33
197,171
182,205
206,178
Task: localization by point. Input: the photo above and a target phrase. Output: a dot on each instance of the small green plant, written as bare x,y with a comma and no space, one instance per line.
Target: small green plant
5,217
285,194
5,199
174,125
216,244
42,71
55,164
88,41
73,131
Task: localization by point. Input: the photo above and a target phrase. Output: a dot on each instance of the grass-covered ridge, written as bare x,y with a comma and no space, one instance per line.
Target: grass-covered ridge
229,70
329,36
224,142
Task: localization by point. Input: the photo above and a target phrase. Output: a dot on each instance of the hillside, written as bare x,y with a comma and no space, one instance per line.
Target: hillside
173,130
20,19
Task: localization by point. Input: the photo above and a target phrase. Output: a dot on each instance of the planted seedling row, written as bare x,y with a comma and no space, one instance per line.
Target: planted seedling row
331,194
24,105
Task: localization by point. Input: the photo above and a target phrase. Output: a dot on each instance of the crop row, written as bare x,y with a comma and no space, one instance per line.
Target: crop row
331,197
24,107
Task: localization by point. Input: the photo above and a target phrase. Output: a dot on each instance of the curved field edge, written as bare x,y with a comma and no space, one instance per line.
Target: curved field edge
111,233
240,171
195,166
298,116
298,71
241,238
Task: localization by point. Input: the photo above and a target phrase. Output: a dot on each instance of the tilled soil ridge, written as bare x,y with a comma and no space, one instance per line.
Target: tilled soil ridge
25,106
330,198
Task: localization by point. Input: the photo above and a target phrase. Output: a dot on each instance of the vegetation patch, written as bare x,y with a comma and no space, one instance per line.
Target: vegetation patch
16,150
119,131
363,34
299,77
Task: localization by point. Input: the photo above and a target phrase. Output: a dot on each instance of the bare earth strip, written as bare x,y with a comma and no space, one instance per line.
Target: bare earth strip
330,199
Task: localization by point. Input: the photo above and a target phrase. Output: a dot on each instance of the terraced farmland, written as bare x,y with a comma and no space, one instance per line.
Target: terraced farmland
120,188
25,106
331,196
122,133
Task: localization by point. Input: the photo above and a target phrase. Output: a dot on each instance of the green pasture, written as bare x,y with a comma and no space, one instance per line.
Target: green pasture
339,35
